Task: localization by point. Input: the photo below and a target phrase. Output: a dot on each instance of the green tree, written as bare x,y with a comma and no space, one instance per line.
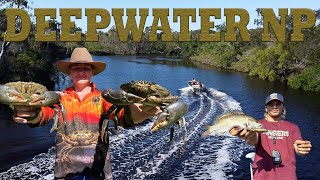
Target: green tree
29,66
308,79
269,63
221,54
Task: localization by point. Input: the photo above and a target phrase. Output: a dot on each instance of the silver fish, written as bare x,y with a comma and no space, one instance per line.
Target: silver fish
224,123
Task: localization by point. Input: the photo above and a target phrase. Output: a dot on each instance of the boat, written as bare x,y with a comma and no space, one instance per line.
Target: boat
251,157
196,87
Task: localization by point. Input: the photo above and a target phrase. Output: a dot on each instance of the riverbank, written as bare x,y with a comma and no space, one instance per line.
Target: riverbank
273,63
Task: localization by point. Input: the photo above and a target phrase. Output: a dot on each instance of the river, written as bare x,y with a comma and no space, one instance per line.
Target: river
28,153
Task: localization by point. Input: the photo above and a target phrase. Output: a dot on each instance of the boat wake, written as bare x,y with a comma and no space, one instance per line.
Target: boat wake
141,154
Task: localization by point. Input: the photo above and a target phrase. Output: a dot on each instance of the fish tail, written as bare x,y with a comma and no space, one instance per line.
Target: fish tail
209,130
205,134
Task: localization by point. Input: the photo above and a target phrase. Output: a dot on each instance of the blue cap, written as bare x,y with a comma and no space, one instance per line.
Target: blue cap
274,96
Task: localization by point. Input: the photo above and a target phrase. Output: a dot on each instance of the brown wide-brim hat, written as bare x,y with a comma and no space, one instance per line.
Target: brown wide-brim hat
80,56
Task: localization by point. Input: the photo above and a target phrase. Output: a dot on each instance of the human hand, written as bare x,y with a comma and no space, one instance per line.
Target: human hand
140,112
150,110
302,147
250,137
22,114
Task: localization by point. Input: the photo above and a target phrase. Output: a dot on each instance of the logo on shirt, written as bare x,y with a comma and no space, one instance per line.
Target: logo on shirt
277,134
95,100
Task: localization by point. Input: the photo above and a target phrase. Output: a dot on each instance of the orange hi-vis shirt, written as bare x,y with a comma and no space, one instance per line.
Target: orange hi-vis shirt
77,146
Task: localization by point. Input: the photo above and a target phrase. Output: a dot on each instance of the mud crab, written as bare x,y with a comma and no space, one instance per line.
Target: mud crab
27,94
151,94
144,92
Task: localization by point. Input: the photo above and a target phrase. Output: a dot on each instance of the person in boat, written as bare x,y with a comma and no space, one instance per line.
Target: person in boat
193,81
87,156
201,85
275,149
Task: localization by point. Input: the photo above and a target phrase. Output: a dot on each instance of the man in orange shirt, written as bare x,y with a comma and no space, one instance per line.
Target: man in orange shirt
80,151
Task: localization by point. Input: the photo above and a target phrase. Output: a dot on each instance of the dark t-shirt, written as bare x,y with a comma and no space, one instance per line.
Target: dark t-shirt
280,136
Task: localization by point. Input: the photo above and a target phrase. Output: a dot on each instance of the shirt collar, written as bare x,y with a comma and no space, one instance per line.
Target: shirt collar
70,90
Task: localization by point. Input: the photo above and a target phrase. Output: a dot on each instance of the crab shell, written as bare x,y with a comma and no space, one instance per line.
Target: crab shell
144,92
27,94
153,93
145,89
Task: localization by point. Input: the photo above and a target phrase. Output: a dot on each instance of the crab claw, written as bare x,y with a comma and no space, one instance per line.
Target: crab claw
172,114
120,97
47,99
10,95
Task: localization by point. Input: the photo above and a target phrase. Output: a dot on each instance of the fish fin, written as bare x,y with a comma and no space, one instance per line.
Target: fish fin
205,134
215,130
221,117
229,114
209,130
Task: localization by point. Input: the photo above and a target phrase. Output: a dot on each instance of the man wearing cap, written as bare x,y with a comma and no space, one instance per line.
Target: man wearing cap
275,158
80,152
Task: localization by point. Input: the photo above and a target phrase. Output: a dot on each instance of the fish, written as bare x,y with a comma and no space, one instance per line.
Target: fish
225,122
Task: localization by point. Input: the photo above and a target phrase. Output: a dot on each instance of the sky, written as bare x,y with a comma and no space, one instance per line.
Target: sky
248,5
